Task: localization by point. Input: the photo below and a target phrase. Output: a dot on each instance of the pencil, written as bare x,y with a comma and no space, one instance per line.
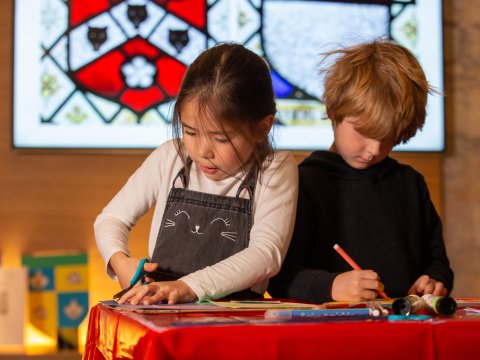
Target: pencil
354,265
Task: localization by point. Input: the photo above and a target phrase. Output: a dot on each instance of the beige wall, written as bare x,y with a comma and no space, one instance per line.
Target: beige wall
49,199
461,169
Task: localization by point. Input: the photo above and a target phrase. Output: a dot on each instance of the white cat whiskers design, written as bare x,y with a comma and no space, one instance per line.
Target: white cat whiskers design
230,235
170,223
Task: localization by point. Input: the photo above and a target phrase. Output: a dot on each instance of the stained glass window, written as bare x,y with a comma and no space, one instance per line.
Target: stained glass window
105,73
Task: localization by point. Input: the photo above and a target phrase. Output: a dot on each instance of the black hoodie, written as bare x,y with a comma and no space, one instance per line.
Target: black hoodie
381,216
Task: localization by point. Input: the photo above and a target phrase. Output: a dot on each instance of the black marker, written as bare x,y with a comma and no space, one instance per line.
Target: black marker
407,305
411,304
441,305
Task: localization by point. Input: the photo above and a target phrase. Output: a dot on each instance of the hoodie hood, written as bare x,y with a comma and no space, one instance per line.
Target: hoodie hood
333,164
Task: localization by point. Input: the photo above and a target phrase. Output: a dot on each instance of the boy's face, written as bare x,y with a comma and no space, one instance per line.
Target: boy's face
357,150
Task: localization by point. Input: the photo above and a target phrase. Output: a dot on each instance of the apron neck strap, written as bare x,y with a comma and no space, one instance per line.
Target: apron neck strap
183,174
248,183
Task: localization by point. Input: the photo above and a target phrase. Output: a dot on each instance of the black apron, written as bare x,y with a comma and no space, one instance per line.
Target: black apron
200,229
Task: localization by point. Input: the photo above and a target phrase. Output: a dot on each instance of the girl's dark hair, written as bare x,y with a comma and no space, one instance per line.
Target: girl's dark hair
231,85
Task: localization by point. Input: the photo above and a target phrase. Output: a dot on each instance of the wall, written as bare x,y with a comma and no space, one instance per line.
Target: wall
461,171
49,199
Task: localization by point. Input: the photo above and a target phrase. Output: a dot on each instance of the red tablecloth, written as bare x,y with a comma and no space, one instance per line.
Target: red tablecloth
115,334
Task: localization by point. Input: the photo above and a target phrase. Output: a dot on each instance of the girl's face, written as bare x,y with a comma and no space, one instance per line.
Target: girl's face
219,153
357,150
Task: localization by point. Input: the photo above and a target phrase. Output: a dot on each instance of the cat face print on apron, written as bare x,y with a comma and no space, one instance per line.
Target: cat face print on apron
200,229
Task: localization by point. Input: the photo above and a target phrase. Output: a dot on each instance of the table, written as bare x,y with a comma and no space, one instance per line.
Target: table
120,334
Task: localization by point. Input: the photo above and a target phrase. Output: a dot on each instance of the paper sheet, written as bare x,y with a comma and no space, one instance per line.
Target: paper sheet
262,305
209,306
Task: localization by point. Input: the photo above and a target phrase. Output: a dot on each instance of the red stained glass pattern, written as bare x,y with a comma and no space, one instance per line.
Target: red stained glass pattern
106,83
140,100
82,10
105,76
193,11
170,74
142,47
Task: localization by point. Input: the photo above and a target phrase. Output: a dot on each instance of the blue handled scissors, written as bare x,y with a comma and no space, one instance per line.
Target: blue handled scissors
139,274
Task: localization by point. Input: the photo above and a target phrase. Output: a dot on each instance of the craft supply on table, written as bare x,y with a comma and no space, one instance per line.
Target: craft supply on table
412,304
290,314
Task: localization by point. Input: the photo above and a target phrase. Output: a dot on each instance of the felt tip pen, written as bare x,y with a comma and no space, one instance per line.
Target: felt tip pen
354,265
291,314
407,305
441,305
408,317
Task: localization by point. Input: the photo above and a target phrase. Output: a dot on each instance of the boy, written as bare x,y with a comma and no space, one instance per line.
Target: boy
377,210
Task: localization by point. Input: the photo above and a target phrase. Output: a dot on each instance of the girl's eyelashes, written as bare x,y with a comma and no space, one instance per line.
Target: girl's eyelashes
220,140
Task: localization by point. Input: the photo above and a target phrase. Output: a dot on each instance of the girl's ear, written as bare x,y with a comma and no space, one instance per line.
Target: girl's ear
264,127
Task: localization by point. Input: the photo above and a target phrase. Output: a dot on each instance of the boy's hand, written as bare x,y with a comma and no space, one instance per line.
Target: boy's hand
171,291
356,285
426,285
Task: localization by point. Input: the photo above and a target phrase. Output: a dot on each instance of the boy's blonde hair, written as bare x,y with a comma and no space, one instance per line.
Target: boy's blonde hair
382,84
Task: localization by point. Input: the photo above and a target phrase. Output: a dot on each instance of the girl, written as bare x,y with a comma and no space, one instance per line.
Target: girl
224,200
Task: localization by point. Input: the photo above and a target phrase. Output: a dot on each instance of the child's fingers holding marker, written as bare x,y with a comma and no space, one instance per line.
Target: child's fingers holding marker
440,289
354,265
426,285
356,285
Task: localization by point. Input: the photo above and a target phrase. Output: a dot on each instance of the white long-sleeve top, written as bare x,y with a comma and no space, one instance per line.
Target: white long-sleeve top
274,208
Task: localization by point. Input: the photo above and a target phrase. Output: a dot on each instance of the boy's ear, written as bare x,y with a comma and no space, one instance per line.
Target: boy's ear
329,114
264,127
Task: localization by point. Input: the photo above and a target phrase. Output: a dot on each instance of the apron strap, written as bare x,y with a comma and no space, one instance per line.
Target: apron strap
182,175
248,184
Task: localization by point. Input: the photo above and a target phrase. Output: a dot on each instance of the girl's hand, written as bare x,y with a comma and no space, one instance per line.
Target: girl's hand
170,291
125,268
426,285
356,285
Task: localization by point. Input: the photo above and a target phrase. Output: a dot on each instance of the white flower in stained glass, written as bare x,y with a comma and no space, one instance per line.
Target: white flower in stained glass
139,72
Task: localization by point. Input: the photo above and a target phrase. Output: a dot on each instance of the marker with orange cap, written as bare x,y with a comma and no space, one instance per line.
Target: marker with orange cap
354,265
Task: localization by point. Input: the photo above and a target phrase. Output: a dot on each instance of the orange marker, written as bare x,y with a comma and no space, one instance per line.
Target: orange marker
354,265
